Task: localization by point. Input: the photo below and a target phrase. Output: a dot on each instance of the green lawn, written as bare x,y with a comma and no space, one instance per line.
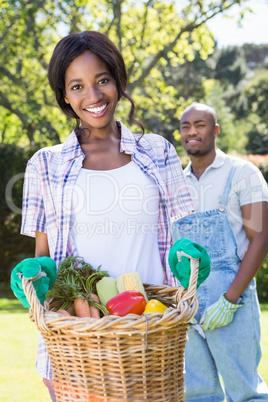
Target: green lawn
18,340
263,368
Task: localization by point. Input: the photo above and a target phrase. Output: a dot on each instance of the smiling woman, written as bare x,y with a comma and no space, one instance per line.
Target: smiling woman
73,47
91,91
106,194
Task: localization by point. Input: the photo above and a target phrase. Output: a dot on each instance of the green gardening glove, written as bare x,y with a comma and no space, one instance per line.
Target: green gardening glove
181,266
219,314
45,271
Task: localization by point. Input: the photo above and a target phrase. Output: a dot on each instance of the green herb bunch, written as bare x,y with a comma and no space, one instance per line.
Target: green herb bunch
75,279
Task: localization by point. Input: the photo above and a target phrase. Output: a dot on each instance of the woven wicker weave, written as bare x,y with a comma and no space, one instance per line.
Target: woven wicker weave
111,359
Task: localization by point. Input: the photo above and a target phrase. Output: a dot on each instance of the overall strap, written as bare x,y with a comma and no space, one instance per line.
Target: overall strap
224,197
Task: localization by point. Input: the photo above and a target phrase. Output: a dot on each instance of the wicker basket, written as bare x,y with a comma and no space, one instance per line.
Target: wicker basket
111,359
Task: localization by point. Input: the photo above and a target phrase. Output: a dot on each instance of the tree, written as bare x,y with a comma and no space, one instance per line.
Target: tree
256,55
256,92
231,66
232,132
150,33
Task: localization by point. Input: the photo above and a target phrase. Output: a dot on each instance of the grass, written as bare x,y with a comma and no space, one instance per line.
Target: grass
263,367
19,381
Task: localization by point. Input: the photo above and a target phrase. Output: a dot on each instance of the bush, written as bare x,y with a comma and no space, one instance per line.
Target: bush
13,246
262,282
261,161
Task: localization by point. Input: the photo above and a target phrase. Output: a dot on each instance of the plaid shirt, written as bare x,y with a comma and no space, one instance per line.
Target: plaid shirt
48,187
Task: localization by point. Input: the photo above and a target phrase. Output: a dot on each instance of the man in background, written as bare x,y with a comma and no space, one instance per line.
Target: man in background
231,221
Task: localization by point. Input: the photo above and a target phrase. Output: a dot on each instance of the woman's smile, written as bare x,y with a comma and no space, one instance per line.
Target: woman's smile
98,111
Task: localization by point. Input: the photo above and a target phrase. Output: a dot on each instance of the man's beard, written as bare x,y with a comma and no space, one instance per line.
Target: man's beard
193,152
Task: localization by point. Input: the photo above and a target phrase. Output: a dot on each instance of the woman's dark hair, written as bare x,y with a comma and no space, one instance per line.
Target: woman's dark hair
72,46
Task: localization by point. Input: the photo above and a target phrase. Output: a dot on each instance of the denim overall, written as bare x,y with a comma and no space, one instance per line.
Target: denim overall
232,351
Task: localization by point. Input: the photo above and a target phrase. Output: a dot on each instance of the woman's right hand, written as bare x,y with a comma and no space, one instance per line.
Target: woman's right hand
43,270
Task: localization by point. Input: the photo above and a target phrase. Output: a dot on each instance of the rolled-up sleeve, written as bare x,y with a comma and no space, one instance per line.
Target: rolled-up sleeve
33,211
179,198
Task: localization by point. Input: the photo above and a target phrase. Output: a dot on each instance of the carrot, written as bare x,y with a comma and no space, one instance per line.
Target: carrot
94,311
81,308
63,312
71,310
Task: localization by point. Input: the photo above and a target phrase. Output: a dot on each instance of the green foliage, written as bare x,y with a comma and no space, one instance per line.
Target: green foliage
262,282
171,60
23,68
256,91
231,66
256,55
149,33
258,139
227,82
264,169
231,135
13,247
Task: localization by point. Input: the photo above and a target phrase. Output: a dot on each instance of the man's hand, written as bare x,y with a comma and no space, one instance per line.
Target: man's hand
45,271
219,314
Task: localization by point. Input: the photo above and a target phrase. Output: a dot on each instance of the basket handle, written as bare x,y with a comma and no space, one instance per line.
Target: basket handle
37,309
185,297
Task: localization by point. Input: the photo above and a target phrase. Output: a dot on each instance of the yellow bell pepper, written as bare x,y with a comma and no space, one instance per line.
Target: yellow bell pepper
154,306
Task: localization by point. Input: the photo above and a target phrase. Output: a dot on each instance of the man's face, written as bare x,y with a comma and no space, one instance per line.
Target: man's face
198,132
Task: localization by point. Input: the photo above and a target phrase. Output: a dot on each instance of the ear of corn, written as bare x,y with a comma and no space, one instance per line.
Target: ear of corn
131,281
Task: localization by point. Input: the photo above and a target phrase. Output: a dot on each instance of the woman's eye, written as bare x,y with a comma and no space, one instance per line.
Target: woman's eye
76,87
104,81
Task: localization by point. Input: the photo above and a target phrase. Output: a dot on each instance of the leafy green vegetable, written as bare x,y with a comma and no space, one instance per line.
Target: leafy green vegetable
75,279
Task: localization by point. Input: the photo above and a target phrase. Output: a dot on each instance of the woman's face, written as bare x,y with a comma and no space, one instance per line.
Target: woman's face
91,91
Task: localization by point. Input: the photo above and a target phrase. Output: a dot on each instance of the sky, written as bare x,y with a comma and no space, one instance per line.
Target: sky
254,26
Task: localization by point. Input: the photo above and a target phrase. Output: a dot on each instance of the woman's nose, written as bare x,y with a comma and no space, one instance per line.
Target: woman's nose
93,93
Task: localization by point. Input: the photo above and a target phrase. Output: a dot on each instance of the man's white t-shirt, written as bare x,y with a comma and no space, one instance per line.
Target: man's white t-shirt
248,186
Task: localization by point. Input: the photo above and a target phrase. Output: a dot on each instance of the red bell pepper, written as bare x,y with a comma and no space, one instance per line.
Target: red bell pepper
127,302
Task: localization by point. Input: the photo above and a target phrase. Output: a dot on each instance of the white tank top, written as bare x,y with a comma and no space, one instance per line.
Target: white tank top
115,221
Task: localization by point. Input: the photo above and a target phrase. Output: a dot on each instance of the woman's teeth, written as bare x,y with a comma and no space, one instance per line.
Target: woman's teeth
97,109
